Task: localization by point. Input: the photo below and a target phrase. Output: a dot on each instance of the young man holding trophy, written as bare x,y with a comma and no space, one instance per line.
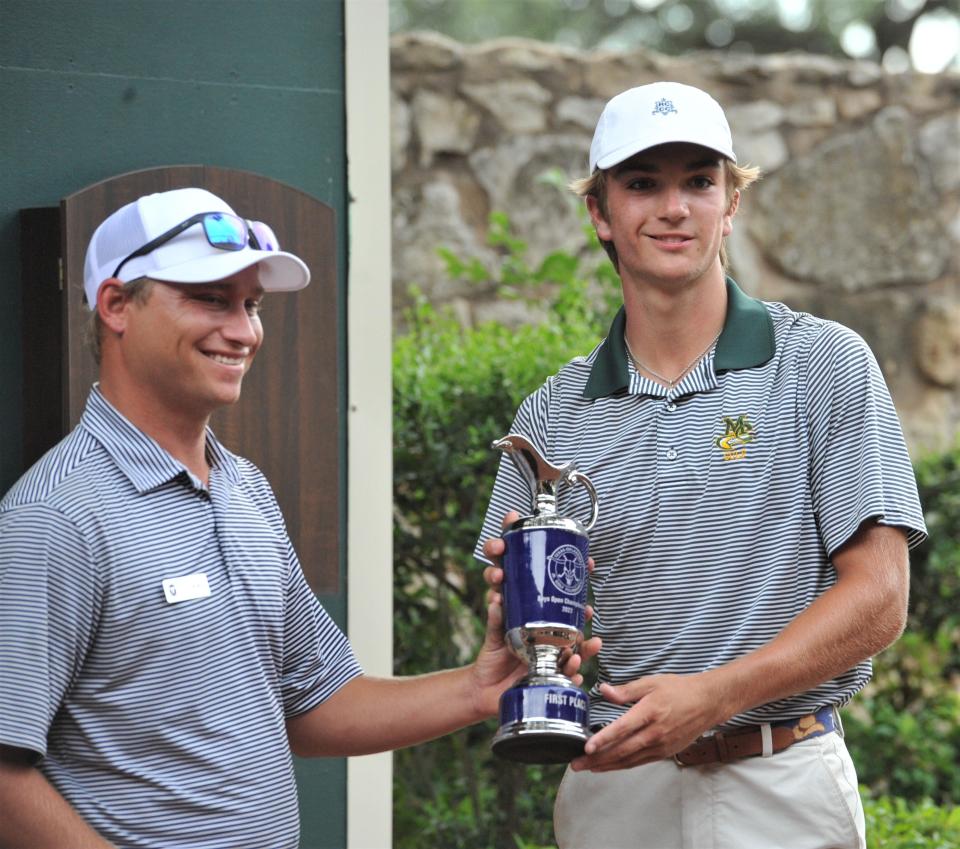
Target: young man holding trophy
756,507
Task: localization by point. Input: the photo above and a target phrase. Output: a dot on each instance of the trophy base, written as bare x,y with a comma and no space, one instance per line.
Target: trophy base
543,720
545,741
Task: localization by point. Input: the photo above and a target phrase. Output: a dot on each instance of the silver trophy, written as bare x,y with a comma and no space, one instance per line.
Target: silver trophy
544,717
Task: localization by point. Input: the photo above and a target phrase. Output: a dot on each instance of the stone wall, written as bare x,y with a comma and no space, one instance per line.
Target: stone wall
857,217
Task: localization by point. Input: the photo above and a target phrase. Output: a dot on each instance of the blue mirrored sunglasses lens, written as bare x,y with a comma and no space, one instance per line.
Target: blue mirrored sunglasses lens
266,238
225,232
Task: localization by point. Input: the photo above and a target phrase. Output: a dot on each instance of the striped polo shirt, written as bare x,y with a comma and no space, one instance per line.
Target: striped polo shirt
160,720
723,498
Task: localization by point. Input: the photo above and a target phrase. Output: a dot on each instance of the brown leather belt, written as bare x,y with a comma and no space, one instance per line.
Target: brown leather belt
726,746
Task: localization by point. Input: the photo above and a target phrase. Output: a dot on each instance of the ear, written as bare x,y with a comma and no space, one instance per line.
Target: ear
112,304
730,213
600,223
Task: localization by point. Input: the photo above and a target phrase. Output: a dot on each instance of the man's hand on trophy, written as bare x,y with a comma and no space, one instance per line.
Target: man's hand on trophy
496,667
493,575
493,549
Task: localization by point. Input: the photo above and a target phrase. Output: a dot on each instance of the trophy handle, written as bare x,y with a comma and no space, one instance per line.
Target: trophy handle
574,477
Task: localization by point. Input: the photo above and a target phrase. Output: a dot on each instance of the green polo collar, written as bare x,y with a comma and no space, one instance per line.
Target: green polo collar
745,342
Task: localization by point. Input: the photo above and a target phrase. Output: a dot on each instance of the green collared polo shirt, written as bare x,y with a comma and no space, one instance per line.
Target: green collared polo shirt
722,498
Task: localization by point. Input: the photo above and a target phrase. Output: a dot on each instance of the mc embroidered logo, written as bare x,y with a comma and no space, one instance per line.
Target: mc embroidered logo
739,433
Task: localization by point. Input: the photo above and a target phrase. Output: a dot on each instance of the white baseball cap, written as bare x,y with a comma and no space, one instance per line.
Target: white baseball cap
659,113
190,255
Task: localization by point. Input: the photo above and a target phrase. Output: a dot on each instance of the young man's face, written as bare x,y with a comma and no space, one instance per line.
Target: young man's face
187,347
667,214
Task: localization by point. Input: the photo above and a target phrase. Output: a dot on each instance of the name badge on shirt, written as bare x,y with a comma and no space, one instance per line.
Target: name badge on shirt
186,588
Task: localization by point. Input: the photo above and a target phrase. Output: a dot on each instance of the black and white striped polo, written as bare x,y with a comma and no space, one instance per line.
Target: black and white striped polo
161,720
721,499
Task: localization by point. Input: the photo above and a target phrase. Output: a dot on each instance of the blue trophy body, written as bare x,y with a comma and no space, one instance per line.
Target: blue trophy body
544,717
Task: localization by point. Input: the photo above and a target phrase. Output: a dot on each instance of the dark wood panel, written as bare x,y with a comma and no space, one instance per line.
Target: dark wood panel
287,420
42,333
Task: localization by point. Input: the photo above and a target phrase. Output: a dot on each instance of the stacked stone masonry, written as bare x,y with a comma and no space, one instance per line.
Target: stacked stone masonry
857,217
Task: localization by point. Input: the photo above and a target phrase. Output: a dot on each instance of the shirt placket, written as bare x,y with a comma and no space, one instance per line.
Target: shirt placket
670,448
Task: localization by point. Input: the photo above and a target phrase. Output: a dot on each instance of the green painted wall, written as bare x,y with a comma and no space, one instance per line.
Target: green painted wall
93,88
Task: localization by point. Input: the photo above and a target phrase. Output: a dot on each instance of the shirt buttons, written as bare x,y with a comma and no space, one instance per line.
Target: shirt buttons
671,454
671,407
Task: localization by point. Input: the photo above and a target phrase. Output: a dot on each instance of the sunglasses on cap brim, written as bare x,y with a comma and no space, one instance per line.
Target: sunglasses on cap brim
223,231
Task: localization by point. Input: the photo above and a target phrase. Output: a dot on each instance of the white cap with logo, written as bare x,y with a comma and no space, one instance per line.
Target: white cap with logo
189,256
659,113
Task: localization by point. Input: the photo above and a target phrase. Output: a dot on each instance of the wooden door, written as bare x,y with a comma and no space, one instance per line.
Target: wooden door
288,418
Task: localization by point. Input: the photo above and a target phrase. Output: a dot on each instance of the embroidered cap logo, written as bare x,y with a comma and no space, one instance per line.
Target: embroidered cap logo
664,107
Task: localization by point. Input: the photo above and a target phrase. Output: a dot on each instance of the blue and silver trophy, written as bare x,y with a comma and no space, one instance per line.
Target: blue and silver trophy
543,717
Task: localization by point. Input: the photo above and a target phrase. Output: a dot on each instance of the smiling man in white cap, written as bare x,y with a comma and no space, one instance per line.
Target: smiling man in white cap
171,354
161,654
756,507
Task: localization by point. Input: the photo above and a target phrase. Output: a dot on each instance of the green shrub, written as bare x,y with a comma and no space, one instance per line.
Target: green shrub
903,730
894,823
935,565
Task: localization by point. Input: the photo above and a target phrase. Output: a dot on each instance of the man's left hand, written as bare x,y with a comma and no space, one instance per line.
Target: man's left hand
669,713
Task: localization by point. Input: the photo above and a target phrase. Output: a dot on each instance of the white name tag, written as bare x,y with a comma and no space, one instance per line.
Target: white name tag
186,588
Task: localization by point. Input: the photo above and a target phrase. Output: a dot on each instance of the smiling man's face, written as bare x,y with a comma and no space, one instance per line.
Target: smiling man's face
667,213
188,345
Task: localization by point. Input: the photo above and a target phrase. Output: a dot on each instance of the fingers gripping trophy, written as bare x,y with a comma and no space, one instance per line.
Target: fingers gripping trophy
543,717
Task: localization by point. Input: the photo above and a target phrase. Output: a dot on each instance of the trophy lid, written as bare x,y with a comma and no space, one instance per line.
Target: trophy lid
532,464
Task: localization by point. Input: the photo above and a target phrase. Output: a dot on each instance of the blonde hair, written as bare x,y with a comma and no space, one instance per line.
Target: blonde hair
737,178
137,290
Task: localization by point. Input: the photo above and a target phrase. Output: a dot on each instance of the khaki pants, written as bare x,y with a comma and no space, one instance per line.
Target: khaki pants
804,797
